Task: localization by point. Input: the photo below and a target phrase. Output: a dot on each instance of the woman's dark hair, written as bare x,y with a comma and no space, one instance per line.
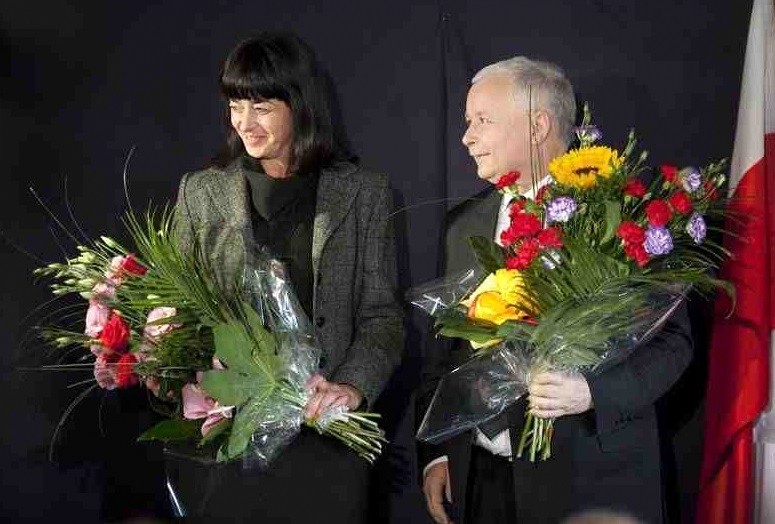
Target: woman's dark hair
282,66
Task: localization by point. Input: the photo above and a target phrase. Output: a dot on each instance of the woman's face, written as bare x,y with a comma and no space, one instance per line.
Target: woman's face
266,130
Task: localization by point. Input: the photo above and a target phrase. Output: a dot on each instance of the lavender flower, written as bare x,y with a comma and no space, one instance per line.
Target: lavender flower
658,241
696,228
691,179
560,209
588,134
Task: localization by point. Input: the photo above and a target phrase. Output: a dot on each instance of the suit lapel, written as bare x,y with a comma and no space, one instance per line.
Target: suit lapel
479,217
336,193
483,216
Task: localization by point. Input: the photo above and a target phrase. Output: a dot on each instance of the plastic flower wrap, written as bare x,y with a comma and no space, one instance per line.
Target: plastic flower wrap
584,274
229,369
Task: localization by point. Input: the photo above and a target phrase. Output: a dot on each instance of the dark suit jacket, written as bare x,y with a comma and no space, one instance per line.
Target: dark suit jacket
605,458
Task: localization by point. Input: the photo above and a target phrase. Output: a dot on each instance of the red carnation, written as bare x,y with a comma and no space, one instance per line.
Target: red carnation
525,224
637,253
631,233
635,188
516,206
541,194
526,253
681,202
658,213
550,237
125,375
131,266
669,173
506,180
115,334
522,225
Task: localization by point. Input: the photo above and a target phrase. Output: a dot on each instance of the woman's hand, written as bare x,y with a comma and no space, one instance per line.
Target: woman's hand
327,394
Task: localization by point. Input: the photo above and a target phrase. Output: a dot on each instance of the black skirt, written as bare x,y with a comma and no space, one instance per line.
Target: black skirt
315,477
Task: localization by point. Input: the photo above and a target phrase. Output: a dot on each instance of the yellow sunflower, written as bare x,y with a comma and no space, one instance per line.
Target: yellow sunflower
582,167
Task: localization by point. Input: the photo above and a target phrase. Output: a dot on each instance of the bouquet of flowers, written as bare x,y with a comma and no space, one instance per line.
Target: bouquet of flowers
228,368
585,273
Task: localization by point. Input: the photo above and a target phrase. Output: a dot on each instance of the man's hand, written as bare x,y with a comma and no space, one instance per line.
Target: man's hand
327,394
435,486
555,394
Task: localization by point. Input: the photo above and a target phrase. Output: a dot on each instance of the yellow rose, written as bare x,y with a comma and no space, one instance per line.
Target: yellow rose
509,283
491,306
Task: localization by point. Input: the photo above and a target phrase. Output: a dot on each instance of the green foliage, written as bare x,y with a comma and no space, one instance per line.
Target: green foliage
488,254
173,430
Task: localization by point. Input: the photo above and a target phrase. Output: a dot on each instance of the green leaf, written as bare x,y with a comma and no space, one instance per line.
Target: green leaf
266,344
231,388
245,423
233,346
613,216
172,429
474,333
488,253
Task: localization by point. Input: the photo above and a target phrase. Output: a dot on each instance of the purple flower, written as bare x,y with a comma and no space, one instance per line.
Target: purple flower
691,179
560,209
588,134
658,241
696,228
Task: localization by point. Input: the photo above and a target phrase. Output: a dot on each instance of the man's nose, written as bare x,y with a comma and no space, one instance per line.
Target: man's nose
468,137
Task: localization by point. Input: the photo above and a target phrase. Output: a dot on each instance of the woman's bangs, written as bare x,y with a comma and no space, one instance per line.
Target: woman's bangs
242,81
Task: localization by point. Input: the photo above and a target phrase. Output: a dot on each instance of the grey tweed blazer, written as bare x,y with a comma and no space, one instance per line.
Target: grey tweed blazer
355,309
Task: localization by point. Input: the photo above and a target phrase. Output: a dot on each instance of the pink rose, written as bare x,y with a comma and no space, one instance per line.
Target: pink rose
197,405
103,291
153,328
96,318
115,273
104,372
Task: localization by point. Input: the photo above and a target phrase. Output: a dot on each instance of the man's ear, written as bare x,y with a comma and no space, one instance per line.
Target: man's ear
540,127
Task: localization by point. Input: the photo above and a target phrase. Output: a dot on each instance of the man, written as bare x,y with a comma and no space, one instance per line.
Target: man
520,115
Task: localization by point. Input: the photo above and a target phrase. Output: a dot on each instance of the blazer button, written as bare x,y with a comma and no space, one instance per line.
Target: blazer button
320,321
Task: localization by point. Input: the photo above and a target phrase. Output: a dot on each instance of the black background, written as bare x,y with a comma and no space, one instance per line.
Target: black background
83,82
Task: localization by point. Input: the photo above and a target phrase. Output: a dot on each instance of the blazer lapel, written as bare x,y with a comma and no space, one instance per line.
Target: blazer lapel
234,234
230,189
336,193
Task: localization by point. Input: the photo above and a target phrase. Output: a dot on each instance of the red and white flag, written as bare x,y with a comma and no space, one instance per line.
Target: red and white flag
732,489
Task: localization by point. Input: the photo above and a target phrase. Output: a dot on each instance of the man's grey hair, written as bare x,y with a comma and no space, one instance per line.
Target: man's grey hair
547,85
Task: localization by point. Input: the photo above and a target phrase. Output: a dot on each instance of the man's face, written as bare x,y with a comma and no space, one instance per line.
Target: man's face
497,136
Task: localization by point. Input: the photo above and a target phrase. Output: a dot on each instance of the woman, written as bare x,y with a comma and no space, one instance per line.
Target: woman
285,181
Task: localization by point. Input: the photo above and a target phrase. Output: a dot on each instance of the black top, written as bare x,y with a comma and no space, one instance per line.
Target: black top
283,215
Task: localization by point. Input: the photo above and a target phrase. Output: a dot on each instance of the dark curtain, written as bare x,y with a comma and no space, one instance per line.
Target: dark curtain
83,82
